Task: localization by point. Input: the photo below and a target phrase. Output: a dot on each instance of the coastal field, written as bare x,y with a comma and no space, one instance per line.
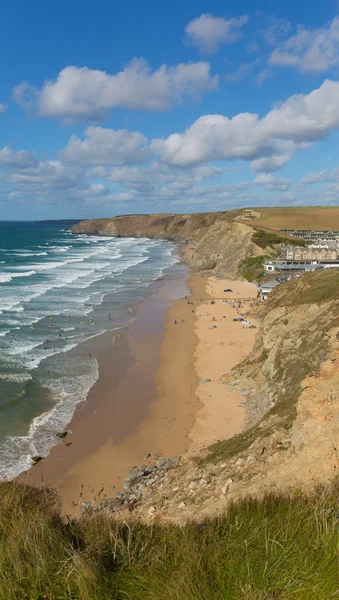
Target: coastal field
305,217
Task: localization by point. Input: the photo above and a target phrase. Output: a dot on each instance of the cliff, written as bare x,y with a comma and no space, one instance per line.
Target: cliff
216,242
290,385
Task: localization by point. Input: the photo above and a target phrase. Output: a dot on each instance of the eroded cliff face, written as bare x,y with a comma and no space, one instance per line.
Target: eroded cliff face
216,243
290,384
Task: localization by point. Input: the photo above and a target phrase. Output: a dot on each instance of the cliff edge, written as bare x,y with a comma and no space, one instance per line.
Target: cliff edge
290,443
215,242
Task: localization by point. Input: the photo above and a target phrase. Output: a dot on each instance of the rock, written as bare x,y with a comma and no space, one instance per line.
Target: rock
146,456
132,479
226,488
86,505
182,504
151,481
62,434
207,380
115,502
148,471
239,462
192,485
151,510
203,483
36,459
250,459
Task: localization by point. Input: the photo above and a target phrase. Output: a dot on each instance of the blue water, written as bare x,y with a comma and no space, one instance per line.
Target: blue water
56,291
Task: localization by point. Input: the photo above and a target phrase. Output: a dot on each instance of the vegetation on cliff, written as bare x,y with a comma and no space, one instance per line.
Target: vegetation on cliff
216,241
270,549
297,323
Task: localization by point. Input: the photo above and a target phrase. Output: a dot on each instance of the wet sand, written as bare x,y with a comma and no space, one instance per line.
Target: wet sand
138,405
148,398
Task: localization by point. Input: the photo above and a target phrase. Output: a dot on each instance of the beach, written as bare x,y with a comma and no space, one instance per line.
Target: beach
150,396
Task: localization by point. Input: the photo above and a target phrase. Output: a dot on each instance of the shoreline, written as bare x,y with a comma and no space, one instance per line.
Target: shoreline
113,427
149,398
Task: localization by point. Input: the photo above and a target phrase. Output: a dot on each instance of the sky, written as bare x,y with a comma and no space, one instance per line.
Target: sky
118,107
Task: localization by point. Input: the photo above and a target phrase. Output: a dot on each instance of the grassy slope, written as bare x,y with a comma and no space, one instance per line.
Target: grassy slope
312,288
309,217
273,549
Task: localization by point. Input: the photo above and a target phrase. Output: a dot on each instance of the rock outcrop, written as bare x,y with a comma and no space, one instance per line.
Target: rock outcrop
290,386
215,242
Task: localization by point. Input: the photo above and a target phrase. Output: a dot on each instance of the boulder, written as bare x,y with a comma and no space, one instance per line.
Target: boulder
62,434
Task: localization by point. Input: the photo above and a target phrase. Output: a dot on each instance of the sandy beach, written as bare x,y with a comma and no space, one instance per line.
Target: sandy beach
148,398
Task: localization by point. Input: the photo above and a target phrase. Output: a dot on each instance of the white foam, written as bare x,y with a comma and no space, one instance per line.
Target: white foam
15,377
5,277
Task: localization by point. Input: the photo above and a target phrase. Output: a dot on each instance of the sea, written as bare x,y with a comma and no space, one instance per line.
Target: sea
58,290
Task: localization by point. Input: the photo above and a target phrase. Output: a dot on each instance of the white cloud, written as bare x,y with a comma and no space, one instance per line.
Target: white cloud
3,107
269,141
263,75
90,94
106,147
20,160
274,29
50,174
272,183
208,32
25,96
310,50
241,72
326,175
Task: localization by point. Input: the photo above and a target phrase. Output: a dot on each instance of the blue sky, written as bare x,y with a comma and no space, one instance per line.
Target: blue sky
124,107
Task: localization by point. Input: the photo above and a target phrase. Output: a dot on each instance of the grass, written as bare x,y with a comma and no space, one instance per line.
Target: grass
252,268
227,449
311,288
267,239
276,548
306,217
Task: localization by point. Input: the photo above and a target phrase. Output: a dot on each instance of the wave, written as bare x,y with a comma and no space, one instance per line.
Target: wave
16,451
16,377
84,272
7,277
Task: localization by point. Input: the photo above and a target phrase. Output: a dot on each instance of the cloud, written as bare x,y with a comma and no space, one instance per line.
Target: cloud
208,32
91,94
3,107
25,96
20,160
274,29
241,72
326,175
46,174
272,183
310,50
263,76
269,142
106,147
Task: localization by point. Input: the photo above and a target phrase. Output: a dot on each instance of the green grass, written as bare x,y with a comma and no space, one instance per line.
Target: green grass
311,288
276,548
252,268
265,239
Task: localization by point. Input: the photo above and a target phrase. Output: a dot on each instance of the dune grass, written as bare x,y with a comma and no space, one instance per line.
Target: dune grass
272,549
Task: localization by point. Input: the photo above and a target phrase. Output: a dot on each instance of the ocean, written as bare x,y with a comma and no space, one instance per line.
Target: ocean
56,291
